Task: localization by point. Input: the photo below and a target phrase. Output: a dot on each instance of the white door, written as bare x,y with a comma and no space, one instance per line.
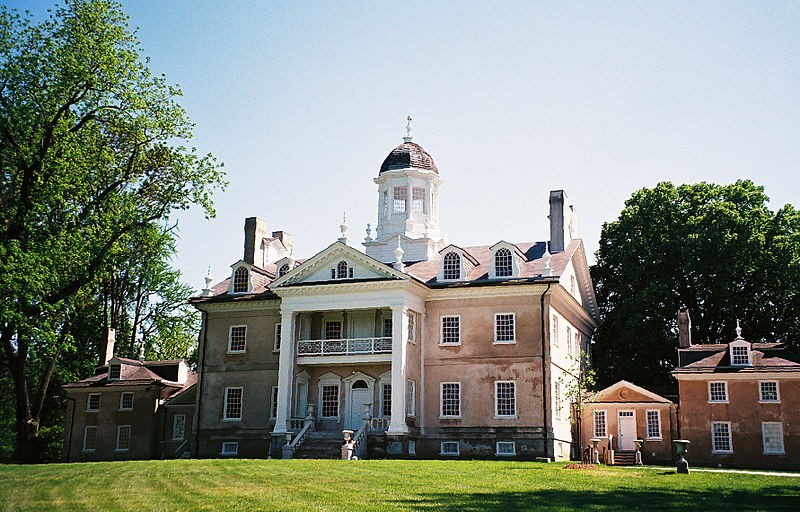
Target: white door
360,394
626,430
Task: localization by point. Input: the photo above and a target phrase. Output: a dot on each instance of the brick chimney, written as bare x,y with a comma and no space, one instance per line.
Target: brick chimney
255,230
684,328
109,346
286,239
563,221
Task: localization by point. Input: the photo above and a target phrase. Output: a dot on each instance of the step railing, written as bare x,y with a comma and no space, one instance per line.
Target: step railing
345,347
287,452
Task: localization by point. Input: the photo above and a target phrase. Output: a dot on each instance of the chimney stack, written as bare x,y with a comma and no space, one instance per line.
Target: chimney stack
255,230
286,239
563,221
110,340
684,328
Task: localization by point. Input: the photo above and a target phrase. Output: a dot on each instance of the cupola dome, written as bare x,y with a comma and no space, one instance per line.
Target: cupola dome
408,154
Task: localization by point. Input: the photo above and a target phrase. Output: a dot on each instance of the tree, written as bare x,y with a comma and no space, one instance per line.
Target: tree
91,152
717,250
577,382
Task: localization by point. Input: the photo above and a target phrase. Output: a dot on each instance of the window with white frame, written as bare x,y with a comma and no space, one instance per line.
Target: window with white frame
740,355
276,342
330,401
503,266
569,340
412,327
237,339
555,331
123,438
504,329
449,448
126,401
386,400
505,448
654,424
451,266
273,407
89,439
114,371
400,197
411,397
178,427
342,271
241,280
387,327
451,330
558,400
230,448
333,330
417,200
233,404
599,423
577,344
283,270
505,398
93,402
717,391
450,400
768,391
721,437
772,436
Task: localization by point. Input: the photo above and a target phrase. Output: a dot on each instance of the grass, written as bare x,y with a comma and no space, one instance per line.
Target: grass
382,485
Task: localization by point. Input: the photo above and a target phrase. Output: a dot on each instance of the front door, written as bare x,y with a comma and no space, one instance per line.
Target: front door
626,430
360,394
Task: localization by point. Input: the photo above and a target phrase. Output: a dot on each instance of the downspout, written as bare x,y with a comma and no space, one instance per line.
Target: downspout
420,391
71,426
545,387
200,384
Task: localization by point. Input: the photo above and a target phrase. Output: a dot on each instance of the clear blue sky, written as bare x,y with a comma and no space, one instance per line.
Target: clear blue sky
302,101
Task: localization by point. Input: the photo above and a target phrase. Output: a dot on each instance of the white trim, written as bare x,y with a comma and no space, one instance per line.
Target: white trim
777,392
122,399
441,401
764,438
119,368
513,329
89,402
225,404
384,380
412,327
647,424
273,402
234,268
276,340
230,339
455,453
605,423
441,331
84,449
513,452
628,413
730,437
119,434
411,398
233,448
330,379
748,350
727,396
516,409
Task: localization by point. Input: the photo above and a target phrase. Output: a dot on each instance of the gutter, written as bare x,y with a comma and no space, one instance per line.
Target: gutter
545,386
200,382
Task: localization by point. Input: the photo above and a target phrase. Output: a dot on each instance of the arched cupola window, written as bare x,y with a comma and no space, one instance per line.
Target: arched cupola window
451,266
503,266
241,280
283,270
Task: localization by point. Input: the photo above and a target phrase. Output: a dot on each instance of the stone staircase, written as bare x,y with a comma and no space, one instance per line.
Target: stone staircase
624,458
320,445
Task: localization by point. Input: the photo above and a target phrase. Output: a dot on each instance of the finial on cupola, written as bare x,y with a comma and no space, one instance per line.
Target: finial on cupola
408,137
207,291
738,330
398,257
547,270
343,227
368,238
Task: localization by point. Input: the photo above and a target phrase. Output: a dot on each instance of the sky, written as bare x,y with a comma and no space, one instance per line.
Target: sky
302,101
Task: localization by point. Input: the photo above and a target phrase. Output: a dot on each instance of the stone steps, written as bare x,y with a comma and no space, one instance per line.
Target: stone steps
624,458
320,445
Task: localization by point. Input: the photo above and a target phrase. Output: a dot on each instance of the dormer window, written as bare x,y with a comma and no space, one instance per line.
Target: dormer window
241,280
114,371
503,266
451,266
740,355
342,271
283,270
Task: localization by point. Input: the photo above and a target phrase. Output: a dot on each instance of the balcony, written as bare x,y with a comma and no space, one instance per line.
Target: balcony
344,351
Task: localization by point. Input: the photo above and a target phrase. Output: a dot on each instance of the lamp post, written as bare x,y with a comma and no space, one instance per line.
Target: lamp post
682,446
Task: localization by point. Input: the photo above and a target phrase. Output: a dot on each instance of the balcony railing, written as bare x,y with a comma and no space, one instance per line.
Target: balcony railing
344,347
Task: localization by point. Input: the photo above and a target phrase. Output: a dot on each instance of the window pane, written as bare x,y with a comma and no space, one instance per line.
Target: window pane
599,423
504,329
179,427
238,341
387,327
240,280
330,401
451,330
718,392
721,437
400,197
451,399
502,263
123,437
233,403
333,330
386,400
653,424
418,200
773,437
506,398
769,391
452,266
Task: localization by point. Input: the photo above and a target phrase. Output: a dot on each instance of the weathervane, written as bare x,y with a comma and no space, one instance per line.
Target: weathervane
408,136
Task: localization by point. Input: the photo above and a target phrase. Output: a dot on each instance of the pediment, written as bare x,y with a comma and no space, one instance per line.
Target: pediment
627,392
338,263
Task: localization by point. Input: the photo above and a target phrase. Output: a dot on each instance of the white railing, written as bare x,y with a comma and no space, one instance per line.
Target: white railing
379,423
344,347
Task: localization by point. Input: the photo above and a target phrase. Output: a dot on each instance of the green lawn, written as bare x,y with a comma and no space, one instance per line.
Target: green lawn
382,485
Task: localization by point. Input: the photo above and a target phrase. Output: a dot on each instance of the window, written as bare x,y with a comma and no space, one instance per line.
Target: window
230,448
387,327
449,448
717,391
330,401
126,401
237,339
450,400
411,397
412,327
178,427
89,439
412,447
385,202
283,270
768,391
400,196
772,435
123,438
93,402
559,403
276,343
241,280
569,340
740,355
342,271
114,371
505,400
577,344
502,263
721,437
504,331
555,331
417,200
653,425
451,330
233,404
506,449
386,400
451,266
333,330
599,421
273,403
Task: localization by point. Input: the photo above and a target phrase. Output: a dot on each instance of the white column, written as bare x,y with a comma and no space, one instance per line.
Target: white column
285,372
398,426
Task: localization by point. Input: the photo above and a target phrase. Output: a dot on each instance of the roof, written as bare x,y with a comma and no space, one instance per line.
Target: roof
627,392
715,358
134,372
408,154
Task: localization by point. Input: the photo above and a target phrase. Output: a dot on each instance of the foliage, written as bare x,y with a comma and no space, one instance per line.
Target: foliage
580,382
92,153
383,485
715,249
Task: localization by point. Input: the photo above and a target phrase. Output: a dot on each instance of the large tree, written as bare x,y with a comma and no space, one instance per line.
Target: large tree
91,152
718,250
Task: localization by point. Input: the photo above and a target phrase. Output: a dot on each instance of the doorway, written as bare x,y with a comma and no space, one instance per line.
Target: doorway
626,430
359,395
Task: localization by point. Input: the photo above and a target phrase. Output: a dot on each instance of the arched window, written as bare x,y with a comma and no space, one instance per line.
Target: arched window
241,280
283,270
452,266
502,263
343,271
